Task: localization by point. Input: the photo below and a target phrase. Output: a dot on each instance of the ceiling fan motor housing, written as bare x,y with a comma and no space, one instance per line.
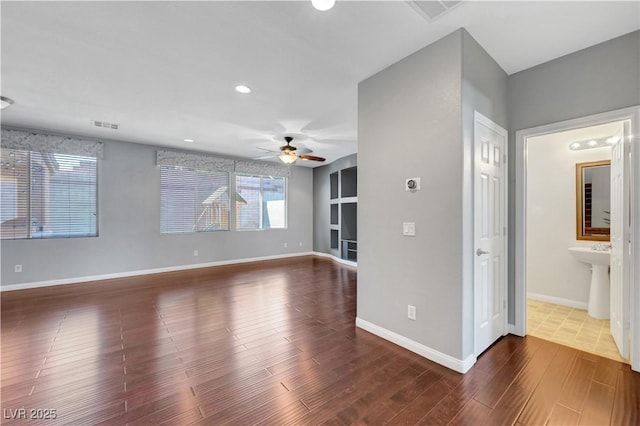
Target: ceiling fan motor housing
288,148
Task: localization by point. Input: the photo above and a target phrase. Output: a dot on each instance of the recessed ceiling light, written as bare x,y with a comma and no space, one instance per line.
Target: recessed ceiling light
575,145
188,140
323,5
592,143
5,102
241,88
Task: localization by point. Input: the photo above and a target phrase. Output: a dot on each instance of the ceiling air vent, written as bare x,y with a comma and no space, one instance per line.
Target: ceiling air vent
105,125
430,10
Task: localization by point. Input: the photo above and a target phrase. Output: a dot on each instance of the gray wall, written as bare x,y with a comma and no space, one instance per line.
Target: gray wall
321,203
484,89
129,227
416,120
601,78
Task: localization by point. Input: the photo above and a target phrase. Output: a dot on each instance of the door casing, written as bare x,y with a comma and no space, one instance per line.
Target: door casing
518,292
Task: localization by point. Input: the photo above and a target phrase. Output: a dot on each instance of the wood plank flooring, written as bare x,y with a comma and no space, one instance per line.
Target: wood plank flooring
271,343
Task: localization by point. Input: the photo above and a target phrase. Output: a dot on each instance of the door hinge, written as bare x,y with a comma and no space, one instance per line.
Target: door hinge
504,230
504,158
504,305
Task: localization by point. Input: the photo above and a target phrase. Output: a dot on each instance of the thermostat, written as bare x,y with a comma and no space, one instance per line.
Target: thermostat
412,184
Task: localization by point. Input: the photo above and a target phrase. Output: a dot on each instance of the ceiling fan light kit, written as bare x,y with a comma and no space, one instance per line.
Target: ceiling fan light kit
287,158
289,153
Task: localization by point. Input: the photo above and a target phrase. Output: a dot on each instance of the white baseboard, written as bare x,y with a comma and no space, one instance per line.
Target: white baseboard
558,301
77,280
459,365
336,259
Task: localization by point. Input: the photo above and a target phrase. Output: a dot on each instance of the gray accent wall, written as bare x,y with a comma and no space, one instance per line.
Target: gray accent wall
415,119
321,203
601,78
129,228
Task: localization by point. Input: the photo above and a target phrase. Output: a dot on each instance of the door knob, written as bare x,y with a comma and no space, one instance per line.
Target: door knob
480,252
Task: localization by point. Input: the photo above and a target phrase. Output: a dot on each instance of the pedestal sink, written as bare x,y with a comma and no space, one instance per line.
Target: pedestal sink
599,292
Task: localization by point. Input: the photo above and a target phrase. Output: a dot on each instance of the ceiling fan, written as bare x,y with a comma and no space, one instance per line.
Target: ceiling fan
289,153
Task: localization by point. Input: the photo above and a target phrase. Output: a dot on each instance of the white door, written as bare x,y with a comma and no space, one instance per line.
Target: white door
490,232
619,277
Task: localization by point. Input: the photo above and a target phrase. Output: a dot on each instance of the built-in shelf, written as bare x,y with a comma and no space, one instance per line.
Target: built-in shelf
350,250
343,206
334,239
349,182
349,221
334,214
333,185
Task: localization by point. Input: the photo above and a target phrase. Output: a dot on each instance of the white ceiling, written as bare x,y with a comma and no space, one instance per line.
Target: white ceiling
165,71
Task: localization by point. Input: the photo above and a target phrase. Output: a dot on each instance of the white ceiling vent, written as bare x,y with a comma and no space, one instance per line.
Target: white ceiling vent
105,125
430,10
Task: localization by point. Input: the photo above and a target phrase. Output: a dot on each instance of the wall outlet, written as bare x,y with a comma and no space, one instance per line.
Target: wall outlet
17,268
300,243
285,245
195,253
411,312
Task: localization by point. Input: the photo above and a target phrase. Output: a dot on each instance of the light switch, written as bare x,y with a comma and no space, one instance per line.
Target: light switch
409,229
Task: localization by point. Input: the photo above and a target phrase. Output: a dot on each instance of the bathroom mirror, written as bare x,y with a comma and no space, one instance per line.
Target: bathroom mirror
593,200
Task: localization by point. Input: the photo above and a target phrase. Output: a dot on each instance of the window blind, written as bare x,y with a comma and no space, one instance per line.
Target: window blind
263,203
47,195
193,200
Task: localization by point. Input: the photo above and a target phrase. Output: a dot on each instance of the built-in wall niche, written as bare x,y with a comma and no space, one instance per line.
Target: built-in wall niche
343,226
349,182
349,222
333,185
334,239
334,214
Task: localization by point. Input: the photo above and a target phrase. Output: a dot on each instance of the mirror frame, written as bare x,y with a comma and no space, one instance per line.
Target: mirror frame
579,229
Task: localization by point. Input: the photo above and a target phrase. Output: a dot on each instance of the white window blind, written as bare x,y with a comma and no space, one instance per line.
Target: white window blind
262,203
47,195
193,200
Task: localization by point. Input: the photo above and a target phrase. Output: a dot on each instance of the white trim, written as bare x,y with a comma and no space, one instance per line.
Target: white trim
559,301
511,329
337,259
77,280
633,115
459,365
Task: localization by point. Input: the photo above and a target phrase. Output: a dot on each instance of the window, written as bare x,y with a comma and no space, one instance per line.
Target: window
193,200
47,195
262,202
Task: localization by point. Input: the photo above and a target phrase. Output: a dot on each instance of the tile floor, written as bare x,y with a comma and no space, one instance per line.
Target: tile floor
571,327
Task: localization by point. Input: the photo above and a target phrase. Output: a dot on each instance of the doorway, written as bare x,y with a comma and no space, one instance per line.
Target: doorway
526,238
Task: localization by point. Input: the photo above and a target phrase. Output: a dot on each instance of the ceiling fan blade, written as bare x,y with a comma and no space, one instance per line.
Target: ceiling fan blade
267,150
310,157
264,157
304,151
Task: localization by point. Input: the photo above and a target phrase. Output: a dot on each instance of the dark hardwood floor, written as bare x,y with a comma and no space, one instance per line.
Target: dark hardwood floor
272,343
